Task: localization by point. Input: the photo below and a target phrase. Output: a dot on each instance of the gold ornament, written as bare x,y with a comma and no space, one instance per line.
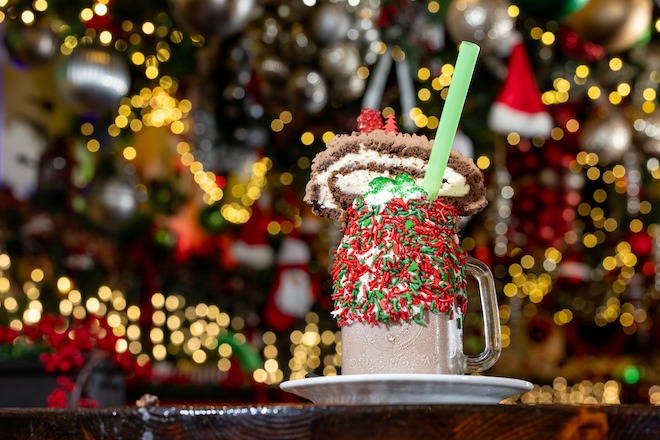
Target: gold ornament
614,24
607,133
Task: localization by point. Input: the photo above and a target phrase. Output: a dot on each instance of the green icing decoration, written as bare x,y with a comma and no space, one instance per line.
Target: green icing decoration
402,186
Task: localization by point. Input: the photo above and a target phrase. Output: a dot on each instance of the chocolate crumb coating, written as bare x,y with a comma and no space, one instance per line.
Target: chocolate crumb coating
347,157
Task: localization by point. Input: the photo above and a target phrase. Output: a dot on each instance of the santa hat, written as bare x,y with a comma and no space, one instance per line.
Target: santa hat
518,107
573,271
294,291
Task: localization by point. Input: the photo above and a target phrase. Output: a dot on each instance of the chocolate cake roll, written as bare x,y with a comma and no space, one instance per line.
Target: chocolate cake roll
344,169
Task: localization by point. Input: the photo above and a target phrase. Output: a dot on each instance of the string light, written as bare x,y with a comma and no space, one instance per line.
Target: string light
582,393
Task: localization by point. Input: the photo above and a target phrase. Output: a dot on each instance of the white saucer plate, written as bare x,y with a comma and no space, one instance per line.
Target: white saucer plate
407,389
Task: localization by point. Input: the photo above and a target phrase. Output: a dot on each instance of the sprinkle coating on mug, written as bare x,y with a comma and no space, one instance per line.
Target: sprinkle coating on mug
398,261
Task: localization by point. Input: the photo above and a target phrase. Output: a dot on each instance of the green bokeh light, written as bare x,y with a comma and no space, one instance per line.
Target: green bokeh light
631,374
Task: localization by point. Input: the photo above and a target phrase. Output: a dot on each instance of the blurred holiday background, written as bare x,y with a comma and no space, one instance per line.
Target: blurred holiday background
155,153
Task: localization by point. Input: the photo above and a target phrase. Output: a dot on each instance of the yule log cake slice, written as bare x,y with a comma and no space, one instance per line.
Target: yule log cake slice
344,169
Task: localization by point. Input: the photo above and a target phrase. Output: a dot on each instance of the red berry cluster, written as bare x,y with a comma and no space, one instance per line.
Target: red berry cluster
369,120
59,398
69,345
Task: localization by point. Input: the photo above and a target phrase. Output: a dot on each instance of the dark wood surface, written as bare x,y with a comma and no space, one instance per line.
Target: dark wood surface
307,421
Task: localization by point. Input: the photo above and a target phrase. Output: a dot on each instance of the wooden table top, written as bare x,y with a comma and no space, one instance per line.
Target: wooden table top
308,421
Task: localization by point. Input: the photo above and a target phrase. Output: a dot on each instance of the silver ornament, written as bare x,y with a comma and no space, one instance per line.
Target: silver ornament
647,132
349,89
331,23
307,87
608,134
31,46
92,80
364,31
340,60
112,202
484,22
213,18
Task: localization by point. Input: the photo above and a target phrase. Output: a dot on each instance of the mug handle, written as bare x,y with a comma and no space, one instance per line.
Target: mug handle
491,314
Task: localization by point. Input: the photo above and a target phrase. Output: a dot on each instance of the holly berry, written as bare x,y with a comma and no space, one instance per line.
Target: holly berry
369,120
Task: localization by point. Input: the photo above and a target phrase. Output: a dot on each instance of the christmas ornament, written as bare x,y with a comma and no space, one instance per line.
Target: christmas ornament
550,8
484,22
574,47
293,291
308,89
31,46
331,23
364,31
191,238
112,202
213,18
348,89
331,39
409,21
518,107
340,60
647,132
92,80
614,24
606,133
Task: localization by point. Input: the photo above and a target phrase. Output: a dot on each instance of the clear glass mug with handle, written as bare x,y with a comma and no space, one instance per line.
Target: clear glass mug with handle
436,347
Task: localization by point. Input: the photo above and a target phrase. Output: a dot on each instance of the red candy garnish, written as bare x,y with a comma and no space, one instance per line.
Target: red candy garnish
369,120
391,125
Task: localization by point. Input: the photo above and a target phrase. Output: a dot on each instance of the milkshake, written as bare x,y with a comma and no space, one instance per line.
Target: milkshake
399,273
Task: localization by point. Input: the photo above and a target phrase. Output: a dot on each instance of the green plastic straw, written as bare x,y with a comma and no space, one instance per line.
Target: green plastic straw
451,114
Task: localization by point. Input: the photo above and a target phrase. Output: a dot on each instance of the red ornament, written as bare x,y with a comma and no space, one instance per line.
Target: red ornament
641,243
369,120
571,44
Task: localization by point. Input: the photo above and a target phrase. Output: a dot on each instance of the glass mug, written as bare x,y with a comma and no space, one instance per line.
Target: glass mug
434,348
